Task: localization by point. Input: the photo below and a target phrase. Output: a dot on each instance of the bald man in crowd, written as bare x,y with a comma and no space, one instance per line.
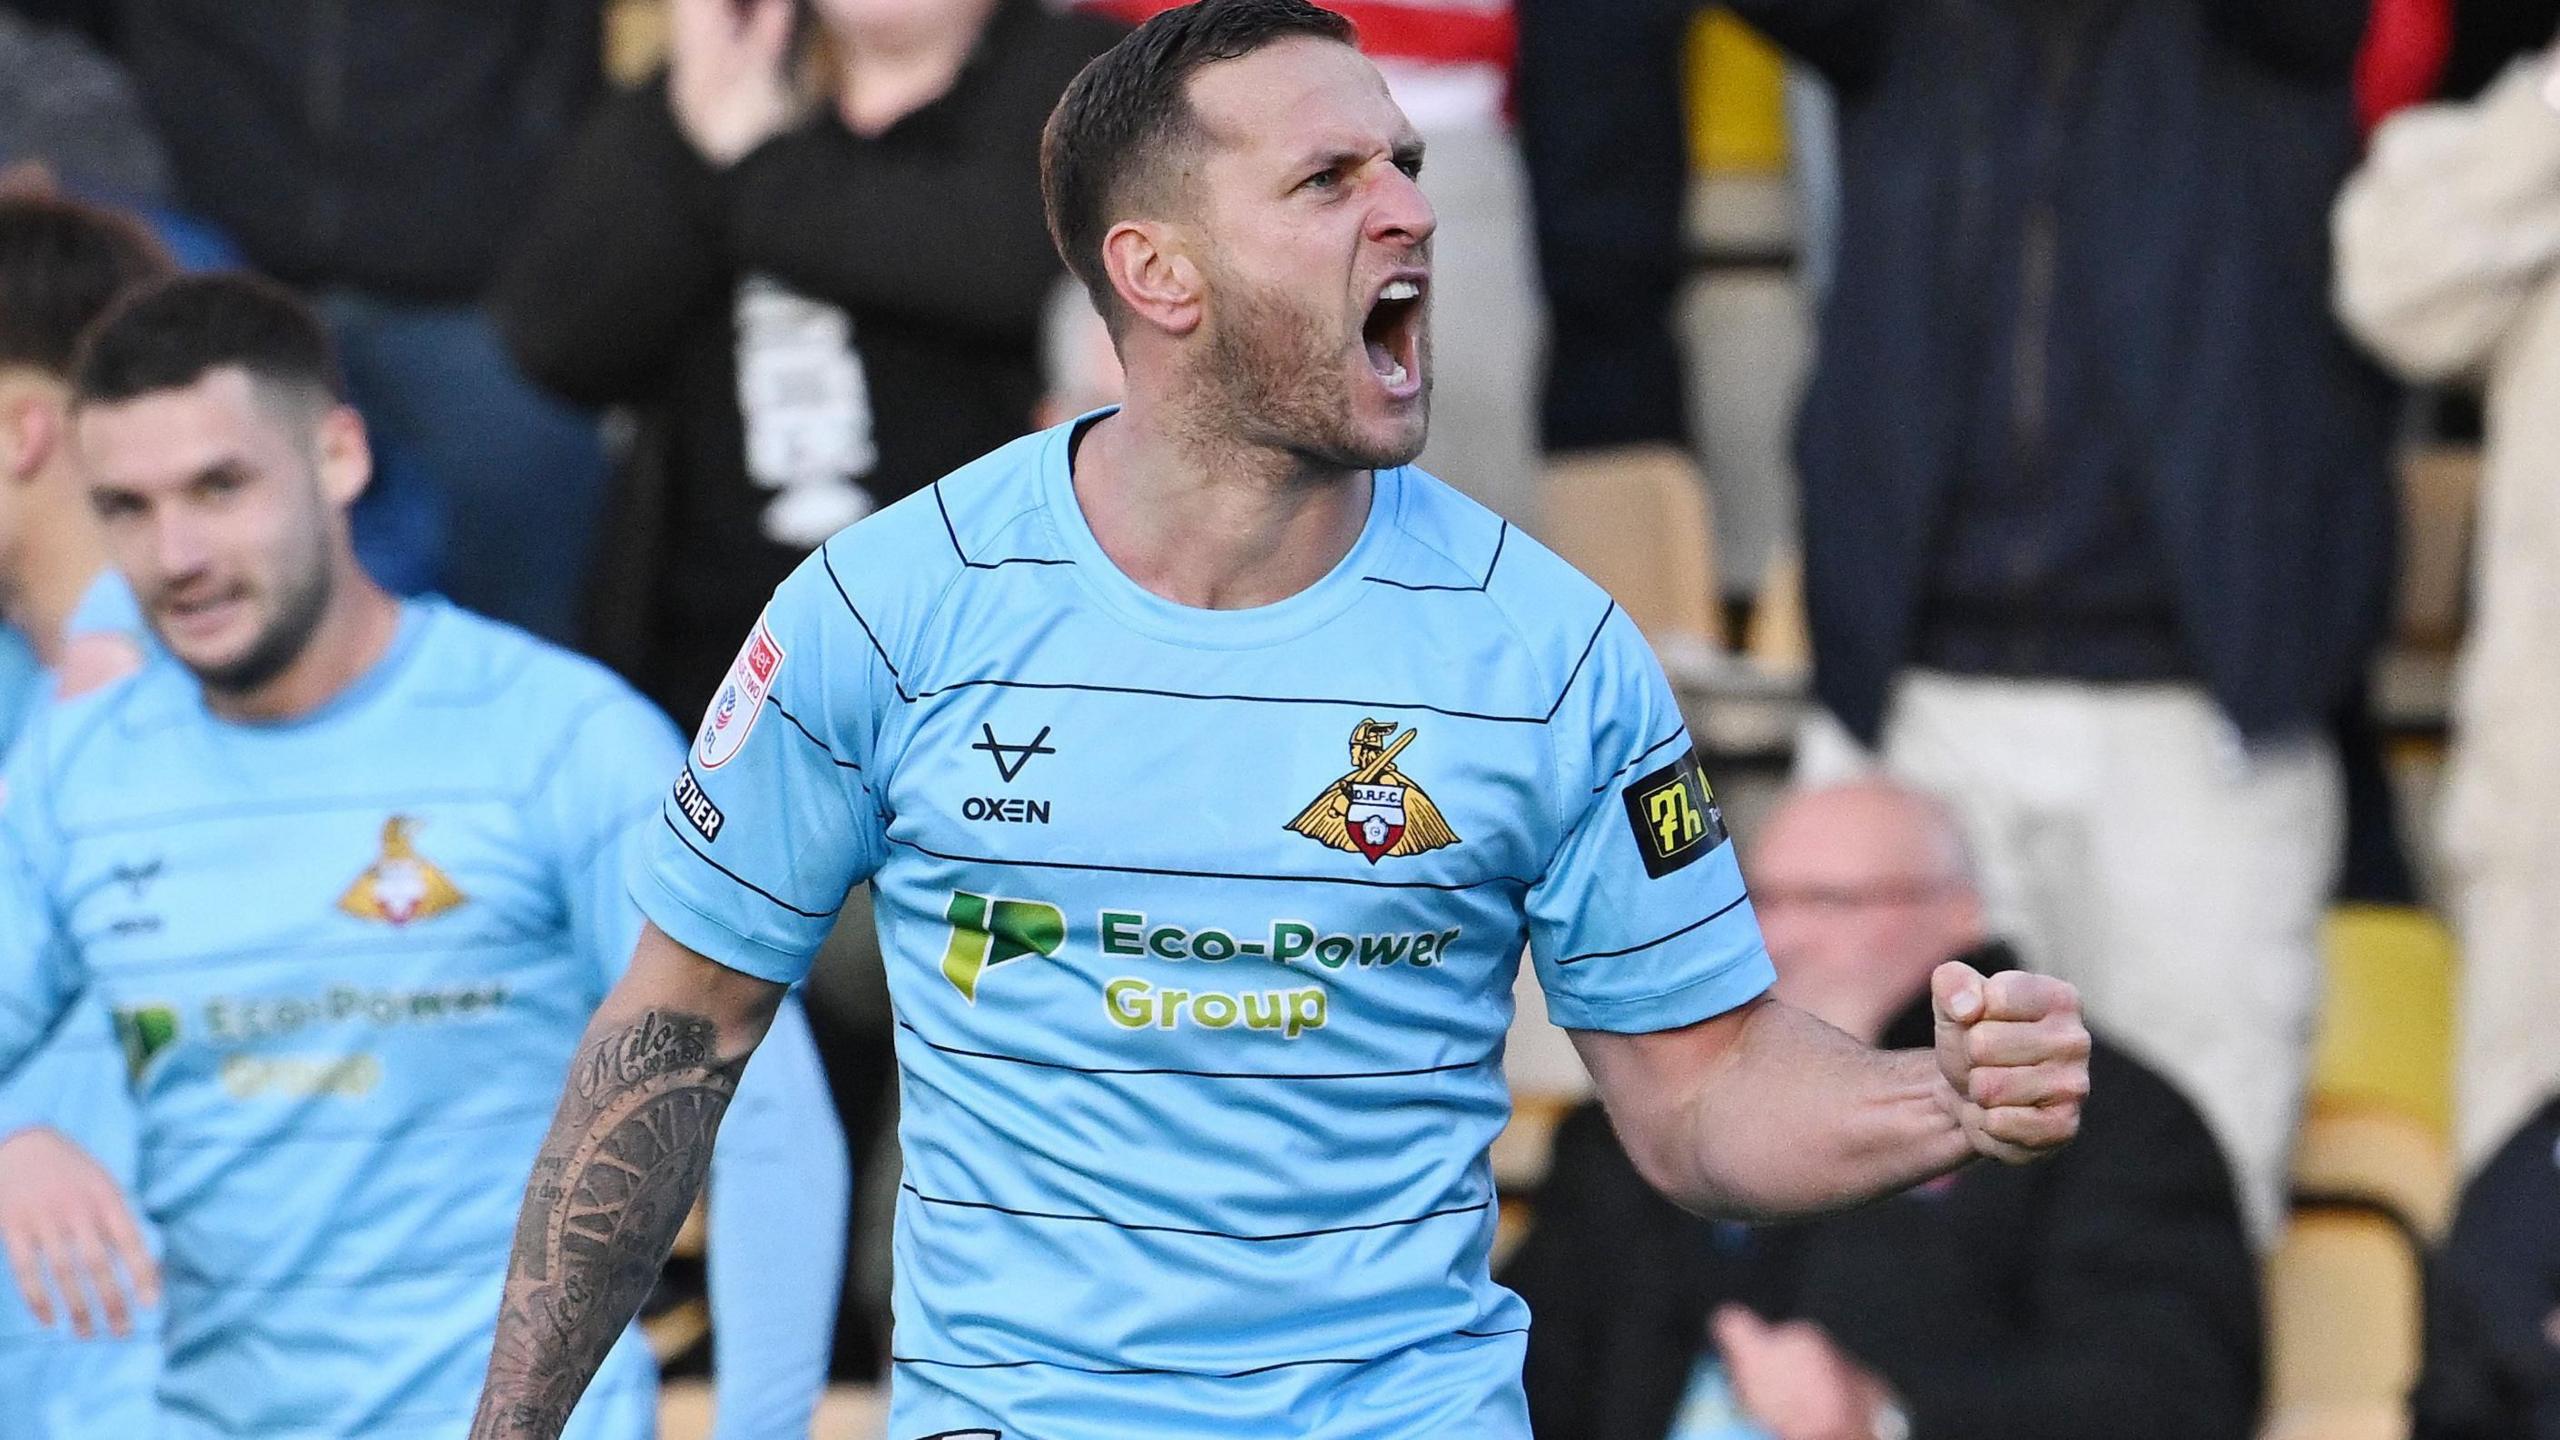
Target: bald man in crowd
2109,1292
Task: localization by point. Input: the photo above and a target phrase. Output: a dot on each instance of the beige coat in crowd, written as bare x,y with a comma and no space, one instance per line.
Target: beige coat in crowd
2449,267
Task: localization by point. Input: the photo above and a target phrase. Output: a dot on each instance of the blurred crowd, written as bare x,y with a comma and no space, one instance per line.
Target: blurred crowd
2128,318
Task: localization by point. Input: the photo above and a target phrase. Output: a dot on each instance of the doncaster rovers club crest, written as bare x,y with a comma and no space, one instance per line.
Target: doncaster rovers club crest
1376,810
401,885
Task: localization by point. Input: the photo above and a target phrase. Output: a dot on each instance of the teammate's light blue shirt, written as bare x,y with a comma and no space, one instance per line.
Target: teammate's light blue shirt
22,684
1201,929
53,1385
349,957
106,607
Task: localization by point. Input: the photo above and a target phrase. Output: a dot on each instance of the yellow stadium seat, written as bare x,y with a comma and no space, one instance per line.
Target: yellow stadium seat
684,1410
2372,1153
1639,522
1521,1152
2386,1037
845,1412
635,39
1781,637
1737,99
2343,1313
2340,1422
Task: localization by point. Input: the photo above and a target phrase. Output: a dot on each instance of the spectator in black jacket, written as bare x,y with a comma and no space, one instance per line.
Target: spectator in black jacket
2493,1317
867,275
2097,518
376,153
2110,1293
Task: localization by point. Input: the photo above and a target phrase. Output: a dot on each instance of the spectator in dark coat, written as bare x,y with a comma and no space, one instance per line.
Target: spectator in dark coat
2493,1321
2109,1293
376,154
815,309
2097,514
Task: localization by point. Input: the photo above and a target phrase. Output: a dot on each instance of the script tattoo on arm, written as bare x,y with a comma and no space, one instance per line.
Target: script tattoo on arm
627,1154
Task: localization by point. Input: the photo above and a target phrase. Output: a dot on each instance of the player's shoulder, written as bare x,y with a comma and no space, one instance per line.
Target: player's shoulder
891,569
467,657
530,686
1455,545
108,606
94,744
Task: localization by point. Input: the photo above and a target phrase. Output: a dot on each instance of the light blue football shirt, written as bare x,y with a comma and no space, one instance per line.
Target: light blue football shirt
348,959
22,684
1200,929
53,1385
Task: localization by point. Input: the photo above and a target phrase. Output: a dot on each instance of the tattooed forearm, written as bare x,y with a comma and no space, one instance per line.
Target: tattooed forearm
626,1156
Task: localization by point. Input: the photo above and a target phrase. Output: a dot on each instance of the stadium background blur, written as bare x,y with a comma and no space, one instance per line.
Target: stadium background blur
521,504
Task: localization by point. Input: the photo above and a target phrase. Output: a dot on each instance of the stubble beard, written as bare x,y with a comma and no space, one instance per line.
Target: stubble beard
302,599
1278,383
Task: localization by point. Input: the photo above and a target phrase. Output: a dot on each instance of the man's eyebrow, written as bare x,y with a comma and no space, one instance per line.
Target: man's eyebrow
1406,153
1328,157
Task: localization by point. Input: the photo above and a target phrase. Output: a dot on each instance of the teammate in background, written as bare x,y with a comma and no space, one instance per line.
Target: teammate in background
61,266
351,876
1209,763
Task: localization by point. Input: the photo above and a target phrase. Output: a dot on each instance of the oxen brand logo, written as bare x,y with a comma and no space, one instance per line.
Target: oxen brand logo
136,878
1011,758
740,699
1674,816
1376,810
1005,809
401,886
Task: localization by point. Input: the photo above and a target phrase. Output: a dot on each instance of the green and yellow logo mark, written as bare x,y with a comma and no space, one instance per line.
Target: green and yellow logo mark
144,1031
987,932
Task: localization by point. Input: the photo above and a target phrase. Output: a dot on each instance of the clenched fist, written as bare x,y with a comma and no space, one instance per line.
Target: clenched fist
2015,1058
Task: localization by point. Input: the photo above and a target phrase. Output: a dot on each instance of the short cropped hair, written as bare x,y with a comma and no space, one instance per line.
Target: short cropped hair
170,335
1128,110
61,267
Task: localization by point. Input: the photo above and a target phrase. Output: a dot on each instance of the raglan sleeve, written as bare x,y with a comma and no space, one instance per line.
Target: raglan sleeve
772,818
1640,921
781,1189
40,974
600,787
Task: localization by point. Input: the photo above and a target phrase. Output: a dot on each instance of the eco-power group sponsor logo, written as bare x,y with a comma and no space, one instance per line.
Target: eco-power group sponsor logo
988,933
245,1028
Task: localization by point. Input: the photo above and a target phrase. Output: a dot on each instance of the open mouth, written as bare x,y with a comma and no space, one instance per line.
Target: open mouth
1391,335
199,612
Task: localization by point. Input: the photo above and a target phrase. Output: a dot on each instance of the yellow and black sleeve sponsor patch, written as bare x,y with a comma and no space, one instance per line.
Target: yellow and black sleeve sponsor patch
1674,816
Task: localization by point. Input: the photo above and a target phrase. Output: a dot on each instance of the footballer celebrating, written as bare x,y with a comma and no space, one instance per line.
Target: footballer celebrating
1210,765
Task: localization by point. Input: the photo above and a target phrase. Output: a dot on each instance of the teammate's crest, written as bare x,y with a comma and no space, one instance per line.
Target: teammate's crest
401,886
1376,810
740,699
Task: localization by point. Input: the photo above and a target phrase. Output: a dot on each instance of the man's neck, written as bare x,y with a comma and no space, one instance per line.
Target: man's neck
352,637
887,74
1213,523
59,562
